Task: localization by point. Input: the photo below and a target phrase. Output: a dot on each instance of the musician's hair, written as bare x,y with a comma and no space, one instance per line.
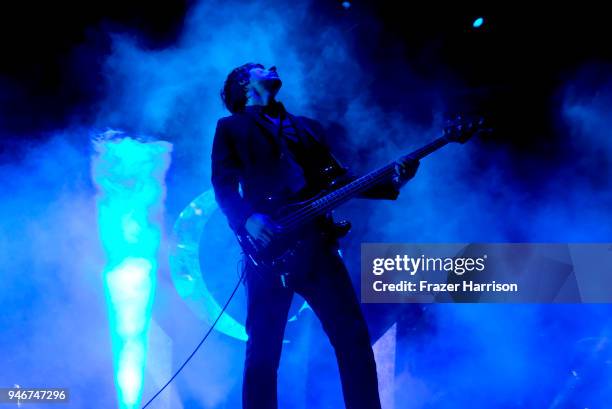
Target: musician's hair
233,93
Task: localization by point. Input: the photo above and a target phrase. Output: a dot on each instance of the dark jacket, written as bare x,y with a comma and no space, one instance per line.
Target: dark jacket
249,164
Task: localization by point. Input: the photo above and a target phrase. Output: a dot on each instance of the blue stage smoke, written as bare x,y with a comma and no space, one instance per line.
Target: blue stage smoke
474,356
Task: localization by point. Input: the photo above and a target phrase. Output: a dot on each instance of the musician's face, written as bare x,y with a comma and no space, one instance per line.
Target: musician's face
267,80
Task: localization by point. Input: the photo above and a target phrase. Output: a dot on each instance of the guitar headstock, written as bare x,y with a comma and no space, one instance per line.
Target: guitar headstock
462,129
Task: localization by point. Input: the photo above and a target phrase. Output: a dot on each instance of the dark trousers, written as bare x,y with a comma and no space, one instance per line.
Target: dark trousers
328,290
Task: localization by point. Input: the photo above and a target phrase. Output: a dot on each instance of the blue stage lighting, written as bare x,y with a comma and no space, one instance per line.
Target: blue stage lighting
129,176
478,22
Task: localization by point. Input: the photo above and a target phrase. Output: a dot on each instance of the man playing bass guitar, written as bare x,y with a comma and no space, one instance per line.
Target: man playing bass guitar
260,152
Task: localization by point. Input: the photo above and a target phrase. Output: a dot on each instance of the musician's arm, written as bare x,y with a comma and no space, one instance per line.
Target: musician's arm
225,178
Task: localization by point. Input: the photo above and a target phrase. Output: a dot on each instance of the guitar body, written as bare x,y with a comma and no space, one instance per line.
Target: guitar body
290,246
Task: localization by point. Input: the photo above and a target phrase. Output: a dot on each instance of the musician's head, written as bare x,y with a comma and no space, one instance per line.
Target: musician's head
250,84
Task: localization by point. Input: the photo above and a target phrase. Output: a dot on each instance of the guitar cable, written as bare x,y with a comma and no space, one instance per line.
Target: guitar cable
203,339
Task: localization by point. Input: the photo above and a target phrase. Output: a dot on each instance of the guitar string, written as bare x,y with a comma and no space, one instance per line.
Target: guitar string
310,211
334,196
314,208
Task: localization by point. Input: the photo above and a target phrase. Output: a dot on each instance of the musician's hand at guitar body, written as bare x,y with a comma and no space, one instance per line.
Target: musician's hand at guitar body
261,228
405,169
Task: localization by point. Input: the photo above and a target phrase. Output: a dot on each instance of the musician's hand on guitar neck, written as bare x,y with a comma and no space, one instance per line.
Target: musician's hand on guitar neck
405,169
261,228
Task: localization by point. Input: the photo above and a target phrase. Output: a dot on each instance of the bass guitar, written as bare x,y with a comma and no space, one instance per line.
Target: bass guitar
281,255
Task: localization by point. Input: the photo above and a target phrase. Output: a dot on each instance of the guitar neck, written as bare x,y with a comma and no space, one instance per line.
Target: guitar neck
342,195
429,148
